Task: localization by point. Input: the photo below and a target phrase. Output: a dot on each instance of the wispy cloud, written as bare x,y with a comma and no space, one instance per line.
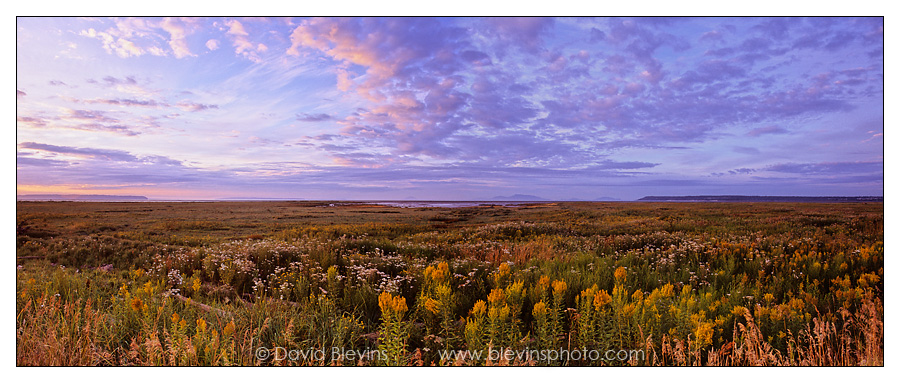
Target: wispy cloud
189,106
126,102
828,167
104,154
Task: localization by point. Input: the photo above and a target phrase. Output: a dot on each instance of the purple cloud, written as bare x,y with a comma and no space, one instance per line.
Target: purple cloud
126,102
32,121
93,115
104,154
306,117
771,129
524,32
829,167
110,80
189,106
638,112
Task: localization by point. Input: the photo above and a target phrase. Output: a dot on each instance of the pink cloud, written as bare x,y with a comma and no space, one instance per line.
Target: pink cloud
242,44
178,32
120,39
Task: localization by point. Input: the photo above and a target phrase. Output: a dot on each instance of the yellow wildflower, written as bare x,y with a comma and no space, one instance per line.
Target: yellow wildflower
441,273
544,282
666,291
637,296
559,287
229,329
137,304
589,293
601,299
479,308
704,333
540,309
503,269
516,290
392,306
496,297
621,274
433,306
498,312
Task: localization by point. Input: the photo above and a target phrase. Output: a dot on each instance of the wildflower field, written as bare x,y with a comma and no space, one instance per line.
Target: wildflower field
561,284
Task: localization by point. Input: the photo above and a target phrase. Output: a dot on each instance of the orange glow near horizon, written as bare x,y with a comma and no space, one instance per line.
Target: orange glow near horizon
149,192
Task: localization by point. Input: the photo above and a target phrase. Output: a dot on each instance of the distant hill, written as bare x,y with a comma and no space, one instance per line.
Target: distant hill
607,199
79,197
751,198
518,197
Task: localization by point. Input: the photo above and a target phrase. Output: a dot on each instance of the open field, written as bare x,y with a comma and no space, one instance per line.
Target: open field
319,283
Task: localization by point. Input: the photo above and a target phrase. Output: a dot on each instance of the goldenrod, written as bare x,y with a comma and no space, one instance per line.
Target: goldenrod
137,304
601,298
479,309
496,297
539,310
229,329
559,287
433,305
620,275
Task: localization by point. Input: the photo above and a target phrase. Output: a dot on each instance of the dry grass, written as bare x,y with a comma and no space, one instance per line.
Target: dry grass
56,333
859,343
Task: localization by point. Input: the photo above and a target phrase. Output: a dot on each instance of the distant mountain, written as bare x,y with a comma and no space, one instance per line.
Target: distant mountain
751,198
79,197
518,197
606,199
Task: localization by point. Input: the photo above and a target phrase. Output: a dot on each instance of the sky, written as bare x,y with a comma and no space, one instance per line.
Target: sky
449,108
